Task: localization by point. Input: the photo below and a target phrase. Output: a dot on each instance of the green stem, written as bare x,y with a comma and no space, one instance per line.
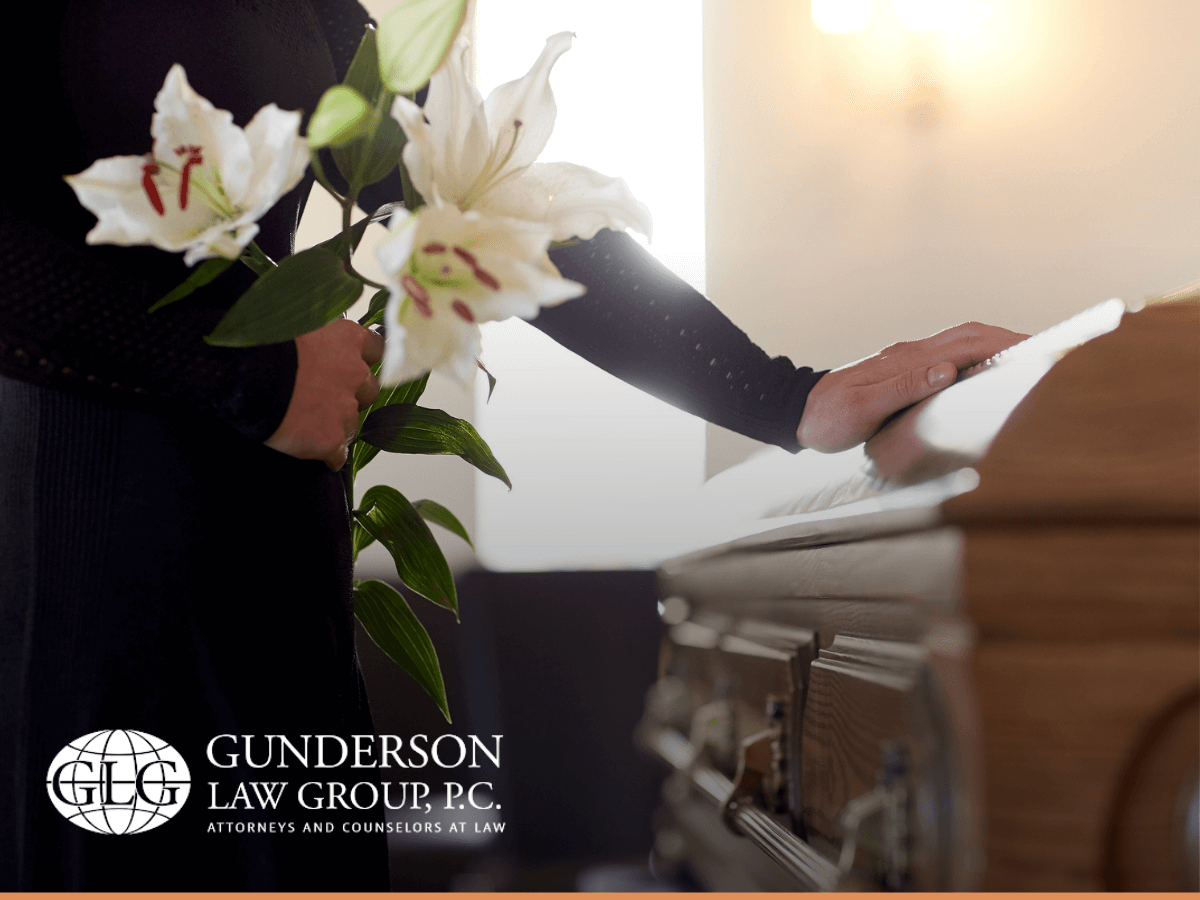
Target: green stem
368,319
363,278
258,262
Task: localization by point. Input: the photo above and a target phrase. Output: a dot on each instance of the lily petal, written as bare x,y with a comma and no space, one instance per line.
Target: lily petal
111,189
442,344
530,101
457,106
447,271
481,156
280,157
574,201
222,241
181,116
206,183
454,141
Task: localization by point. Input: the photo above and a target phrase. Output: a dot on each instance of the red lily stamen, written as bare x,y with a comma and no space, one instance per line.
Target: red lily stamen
415,289
420,296
193,158
466,256
463,310
486,278
434,248
149,170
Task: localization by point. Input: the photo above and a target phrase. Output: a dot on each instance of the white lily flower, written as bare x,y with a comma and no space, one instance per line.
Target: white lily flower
206,182
481,155
447,271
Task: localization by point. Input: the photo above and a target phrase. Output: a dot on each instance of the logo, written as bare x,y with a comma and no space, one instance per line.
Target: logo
118,782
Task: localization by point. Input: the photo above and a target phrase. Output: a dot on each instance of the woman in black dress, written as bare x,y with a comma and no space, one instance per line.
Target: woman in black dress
162,567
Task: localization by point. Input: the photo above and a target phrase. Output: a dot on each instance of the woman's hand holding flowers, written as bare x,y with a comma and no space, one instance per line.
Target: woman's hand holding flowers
333,383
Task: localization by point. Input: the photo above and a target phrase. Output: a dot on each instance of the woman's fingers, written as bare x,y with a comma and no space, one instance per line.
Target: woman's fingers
367,391
964,345
849,405
372,351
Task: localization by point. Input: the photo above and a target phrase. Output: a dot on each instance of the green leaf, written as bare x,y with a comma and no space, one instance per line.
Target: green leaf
374,159
396,524
491,380
256,260
373,156
375,311
387,618
341,116
363,74
303,293
360,538
408,392
201,275
439,515
414,38
407,428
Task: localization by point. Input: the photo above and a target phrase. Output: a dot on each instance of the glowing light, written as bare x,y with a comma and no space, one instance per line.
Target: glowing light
841,16
922,15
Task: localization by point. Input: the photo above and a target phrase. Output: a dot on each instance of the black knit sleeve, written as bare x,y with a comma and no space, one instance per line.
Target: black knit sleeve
71,322
641,322
644,324
343,22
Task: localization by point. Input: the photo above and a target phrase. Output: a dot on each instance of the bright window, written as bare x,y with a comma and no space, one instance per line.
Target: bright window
599,469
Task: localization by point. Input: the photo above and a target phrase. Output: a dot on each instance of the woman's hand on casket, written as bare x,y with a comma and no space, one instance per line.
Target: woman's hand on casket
333,382
849,404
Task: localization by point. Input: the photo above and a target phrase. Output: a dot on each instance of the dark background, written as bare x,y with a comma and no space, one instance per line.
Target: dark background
559,664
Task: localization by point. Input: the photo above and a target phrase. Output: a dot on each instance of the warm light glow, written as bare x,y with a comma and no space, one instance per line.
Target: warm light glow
841,16
922,15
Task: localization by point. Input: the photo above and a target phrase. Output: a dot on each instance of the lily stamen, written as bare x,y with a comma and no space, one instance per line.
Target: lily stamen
486,278
214,195
149,170
194,157
487,178
420,296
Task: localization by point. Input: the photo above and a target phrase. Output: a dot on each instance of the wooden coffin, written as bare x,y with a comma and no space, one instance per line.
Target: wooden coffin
986,676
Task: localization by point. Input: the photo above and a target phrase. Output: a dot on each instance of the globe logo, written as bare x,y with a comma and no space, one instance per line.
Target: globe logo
118,782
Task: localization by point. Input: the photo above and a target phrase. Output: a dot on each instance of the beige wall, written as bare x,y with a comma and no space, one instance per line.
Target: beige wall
881,186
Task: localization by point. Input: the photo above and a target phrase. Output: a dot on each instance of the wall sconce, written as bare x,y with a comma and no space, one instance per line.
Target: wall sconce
888,56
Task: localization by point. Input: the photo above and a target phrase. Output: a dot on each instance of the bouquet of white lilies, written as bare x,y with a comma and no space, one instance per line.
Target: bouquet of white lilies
467,244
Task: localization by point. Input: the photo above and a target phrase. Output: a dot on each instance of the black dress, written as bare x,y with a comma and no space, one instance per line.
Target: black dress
160,568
